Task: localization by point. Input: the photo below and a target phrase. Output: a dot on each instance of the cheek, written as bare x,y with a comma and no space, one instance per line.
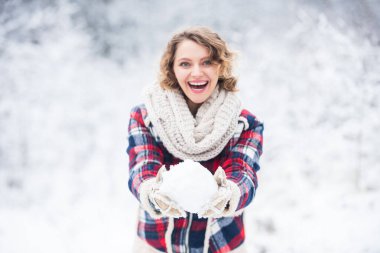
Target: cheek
180,75
176,74
214,74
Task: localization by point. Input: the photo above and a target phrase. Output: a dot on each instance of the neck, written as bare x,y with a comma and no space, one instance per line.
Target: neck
193,106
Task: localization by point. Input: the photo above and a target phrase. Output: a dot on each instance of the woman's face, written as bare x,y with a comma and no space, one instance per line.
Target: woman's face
196,74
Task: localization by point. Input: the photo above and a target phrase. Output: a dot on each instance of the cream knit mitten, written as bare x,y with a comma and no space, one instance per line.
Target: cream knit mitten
225,201
160,204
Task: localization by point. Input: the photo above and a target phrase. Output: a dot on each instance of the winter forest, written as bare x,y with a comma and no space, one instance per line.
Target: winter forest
71,70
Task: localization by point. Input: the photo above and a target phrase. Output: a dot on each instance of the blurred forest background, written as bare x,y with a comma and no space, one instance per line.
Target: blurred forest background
71,70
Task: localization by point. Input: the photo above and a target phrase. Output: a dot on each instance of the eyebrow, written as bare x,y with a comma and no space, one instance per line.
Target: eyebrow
188,59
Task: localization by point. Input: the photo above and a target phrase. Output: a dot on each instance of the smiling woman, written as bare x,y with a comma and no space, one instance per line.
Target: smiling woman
195,115
196,73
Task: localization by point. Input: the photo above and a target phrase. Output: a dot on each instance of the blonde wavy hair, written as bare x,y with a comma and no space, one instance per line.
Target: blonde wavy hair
219,53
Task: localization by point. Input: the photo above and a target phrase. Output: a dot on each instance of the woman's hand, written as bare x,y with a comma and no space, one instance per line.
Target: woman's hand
220,204
161,202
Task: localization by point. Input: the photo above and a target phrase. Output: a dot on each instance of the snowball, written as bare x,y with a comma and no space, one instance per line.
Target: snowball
189,184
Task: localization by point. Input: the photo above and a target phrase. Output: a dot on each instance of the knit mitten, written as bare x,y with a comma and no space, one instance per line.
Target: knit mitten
225,201
156,203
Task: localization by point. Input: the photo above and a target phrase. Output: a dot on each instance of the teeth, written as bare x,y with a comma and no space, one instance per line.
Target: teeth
199,84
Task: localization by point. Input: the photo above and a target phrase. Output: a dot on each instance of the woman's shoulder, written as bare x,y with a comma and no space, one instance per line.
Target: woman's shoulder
140,108
139,112
251,118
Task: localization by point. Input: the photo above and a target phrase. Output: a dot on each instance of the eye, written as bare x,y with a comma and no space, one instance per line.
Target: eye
184,64
207,62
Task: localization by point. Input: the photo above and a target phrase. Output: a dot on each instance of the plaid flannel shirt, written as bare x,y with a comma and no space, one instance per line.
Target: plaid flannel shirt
239,159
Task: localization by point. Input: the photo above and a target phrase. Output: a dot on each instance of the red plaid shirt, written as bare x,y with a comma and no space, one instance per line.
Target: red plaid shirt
239,159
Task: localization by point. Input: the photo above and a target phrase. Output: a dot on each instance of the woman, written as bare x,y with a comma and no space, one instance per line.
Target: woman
194,114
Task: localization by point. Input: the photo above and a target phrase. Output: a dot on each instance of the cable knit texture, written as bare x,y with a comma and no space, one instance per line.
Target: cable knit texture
201,138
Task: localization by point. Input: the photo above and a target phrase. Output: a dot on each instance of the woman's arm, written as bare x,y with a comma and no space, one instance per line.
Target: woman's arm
145,155
241,160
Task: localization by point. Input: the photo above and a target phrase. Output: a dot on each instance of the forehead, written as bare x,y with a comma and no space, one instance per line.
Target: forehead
191,50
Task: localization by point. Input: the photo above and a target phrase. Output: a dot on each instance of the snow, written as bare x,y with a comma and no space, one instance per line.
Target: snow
70,72
190,185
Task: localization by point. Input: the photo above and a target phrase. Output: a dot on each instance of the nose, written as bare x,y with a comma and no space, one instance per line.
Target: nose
196,71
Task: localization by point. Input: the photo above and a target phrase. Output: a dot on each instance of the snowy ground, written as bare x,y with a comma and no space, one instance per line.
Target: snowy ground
64,109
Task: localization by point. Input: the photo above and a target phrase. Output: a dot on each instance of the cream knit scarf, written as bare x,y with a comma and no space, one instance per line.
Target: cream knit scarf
201,138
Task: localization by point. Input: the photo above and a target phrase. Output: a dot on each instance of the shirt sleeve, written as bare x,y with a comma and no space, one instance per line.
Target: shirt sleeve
241,160
145,155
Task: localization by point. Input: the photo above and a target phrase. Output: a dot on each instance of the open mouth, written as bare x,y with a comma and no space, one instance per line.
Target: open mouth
198,86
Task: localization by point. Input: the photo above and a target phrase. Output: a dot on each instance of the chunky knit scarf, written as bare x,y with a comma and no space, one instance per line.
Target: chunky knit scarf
200,138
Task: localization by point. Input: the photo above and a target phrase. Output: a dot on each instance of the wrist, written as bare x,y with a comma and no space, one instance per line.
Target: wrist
232,205
146,199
